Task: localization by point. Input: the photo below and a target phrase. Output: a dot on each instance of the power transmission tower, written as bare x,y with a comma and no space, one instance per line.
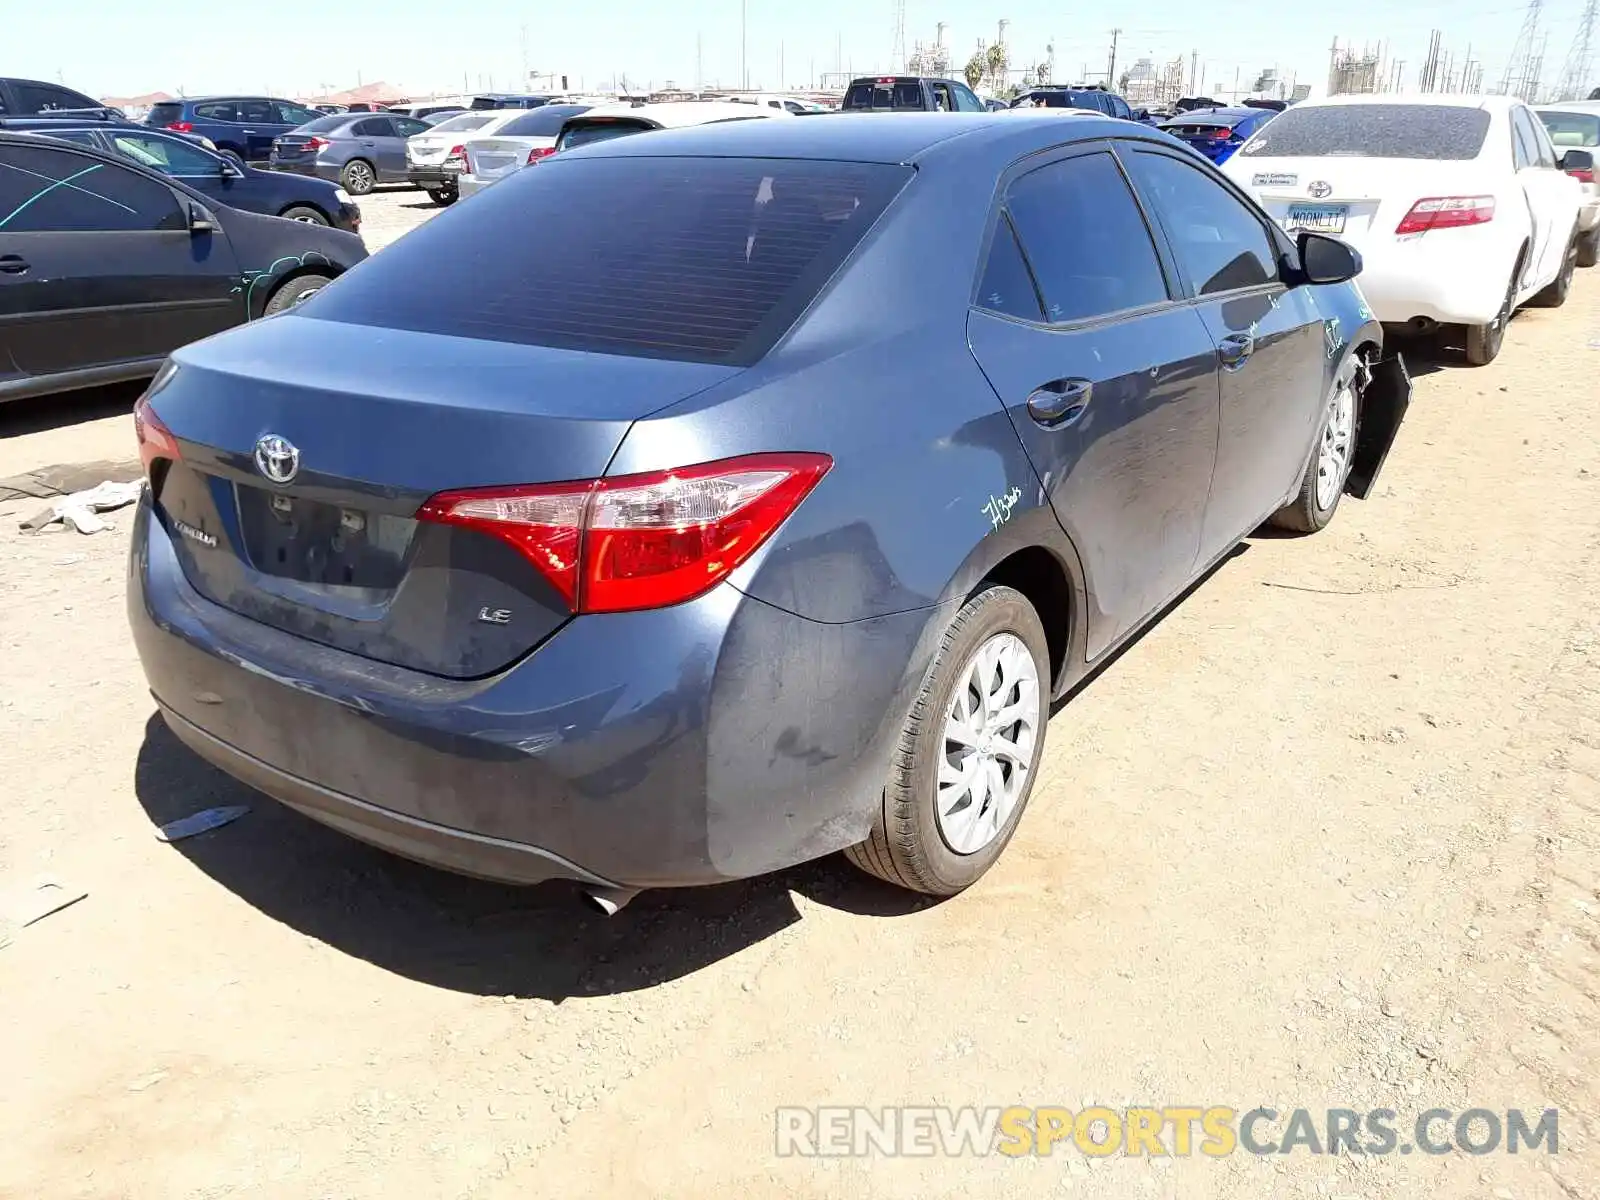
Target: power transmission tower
1575,72
897,57
1520,66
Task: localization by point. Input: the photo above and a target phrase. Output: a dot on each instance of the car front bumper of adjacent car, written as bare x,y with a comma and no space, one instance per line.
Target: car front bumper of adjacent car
717,739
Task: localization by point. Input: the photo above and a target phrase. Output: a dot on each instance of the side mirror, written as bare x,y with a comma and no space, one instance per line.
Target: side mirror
201,221
1577,160
1325,259
229,171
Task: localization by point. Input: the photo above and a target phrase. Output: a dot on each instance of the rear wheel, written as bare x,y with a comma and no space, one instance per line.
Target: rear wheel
358,177
305,214
1589,248
1555,295
1484,341
962,773
296,290
443,197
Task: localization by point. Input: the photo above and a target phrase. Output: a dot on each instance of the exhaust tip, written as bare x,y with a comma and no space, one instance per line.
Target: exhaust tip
610,901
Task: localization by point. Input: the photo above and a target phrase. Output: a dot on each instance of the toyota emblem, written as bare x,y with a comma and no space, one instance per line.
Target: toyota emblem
1319,189
277,458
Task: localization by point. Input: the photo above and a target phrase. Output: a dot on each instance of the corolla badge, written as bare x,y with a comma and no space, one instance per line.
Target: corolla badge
277,458
1319,188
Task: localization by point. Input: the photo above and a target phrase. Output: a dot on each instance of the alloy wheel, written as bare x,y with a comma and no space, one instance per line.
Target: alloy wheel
1333,454
990,728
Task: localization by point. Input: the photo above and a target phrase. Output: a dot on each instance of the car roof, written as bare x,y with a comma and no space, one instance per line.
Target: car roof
675,113
872,137
1590,107
1220,116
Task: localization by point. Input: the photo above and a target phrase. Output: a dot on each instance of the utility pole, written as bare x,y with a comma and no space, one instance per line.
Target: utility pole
1111,62
1194,63
1236,85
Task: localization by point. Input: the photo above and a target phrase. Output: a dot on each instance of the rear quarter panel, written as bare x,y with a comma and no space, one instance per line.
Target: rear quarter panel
271,251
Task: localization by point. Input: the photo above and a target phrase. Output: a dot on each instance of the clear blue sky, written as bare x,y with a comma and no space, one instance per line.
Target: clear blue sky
120,49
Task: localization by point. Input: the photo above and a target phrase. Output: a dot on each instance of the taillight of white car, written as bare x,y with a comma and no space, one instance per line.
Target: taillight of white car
1446,212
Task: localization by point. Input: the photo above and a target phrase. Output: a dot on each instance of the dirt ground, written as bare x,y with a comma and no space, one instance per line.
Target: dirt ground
1324,837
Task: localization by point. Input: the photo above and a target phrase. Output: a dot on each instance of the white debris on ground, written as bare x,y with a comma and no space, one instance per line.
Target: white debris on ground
80,508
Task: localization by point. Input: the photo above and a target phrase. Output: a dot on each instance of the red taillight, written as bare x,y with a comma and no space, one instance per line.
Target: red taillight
1447,212
181,127
640,541
539,152
1221,135
155,439
317,143
1585,176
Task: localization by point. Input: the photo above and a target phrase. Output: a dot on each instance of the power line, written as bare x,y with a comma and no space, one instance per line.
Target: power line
1580,59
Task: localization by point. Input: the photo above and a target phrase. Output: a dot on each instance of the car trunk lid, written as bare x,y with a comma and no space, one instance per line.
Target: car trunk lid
1361,200
379,420
296,145
491,157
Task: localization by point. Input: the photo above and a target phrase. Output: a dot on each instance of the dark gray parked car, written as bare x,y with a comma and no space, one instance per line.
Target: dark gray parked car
359,150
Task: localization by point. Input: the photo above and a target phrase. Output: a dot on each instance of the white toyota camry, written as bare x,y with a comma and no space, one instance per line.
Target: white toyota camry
1459,204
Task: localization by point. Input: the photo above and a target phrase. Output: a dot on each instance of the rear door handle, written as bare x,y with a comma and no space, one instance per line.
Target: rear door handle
12,264
1235,348
1059,404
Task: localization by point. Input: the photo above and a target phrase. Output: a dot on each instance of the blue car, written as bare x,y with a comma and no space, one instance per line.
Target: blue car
1218,132
241,127
666,544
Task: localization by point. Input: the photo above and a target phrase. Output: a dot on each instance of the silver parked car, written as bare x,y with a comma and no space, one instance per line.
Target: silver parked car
359,150
436,158
492,154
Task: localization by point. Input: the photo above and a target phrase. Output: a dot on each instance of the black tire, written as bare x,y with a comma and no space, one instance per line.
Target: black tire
1555,295
907,847
291,293
1589,248
443,197
1306,513
359,177
304,213
1484,341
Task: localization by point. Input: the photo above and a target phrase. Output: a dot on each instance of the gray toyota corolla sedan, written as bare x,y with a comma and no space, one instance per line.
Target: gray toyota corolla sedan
705,502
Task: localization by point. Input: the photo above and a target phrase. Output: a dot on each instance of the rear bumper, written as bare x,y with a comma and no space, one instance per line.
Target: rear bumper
467,184
432,177
1436,276
1589,214
716,740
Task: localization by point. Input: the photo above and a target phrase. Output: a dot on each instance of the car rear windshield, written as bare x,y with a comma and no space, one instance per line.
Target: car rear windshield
1425,131
328,124
541,122
600,130
164,114
463,122
1572,131
698,259
885,95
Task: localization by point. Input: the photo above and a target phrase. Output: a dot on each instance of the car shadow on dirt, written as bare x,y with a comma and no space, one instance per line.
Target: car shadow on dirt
466,934
19,418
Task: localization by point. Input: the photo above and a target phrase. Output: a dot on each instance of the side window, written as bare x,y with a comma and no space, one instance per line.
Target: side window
54,191
258,111
1538,141
1007,287
968,100
408,127
164,154
222,110
293,114
1119,108
371,127
1219,242
943,100
37,97
1082,230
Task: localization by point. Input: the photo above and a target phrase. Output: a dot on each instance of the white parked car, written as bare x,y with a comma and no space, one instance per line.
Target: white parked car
492,154
791,104
435,159
1457,203
601,124
1575,125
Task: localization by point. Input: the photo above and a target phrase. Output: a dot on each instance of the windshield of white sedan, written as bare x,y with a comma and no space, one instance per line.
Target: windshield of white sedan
1427,131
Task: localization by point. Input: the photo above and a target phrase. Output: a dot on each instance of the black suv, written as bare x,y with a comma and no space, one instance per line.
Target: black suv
1094,99
29,97
909,93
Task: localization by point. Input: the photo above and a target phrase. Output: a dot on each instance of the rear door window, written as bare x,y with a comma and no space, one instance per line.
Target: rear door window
220,110
1420,131
258,112
45,190
171,155
714,268
406,127
1086,239
1219,242
1523,153
371,127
